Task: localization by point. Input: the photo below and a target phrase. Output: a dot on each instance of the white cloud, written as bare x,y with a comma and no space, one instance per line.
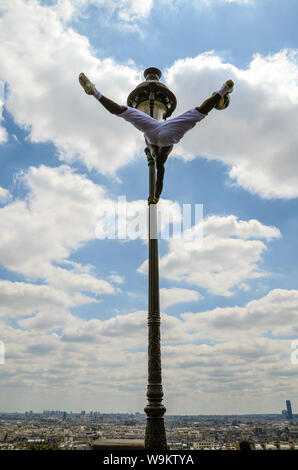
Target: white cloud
229,255
256,135
176,295
117,279
230,226
105,359
219,355
56,218
121,12
276,313
116,11
45,96
38,307
3,133
4,194
73,281
21,299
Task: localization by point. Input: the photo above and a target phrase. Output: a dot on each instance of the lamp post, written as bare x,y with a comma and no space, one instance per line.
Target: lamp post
153,98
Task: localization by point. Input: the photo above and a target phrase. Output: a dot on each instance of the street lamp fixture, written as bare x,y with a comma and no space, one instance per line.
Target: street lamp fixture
153,97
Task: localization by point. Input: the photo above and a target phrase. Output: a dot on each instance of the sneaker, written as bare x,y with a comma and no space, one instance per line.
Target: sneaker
227,87
152,200
86,84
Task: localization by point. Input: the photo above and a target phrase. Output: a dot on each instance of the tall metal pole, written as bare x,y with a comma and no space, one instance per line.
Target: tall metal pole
154,98
155,435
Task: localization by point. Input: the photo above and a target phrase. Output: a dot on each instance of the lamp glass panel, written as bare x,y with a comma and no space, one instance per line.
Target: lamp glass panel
159,110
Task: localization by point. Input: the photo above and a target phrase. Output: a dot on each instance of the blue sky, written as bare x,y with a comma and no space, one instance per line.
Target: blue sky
73,307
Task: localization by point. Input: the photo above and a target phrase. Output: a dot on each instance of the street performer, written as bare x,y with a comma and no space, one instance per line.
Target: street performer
160,136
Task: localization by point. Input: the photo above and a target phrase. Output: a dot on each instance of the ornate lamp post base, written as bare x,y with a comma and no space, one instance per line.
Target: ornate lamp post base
155,436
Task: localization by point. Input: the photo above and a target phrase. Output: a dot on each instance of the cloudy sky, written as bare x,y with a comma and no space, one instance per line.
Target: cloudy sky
73,315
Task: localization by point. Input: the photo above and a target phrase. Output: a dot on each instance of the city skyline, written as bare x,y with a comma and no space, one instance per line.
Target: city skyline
73,305
288,410
133,413
86,432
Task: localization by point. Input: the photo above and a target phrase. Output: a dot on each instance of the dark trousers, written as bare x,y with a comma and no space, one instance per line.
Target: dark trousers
160,155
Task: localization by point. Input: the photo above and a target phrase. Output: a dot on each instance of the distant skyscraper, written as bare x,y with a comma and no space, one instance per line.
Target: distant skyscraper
289,409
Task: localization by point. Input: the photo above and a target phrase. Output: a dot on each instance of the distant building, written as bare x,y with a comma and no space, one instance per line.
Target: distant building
289,409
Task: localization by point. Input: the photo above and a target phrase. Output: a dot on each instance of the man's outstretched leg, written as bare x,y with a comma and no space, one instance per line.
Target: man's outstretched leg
141,121
211,102
174,129
90,89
